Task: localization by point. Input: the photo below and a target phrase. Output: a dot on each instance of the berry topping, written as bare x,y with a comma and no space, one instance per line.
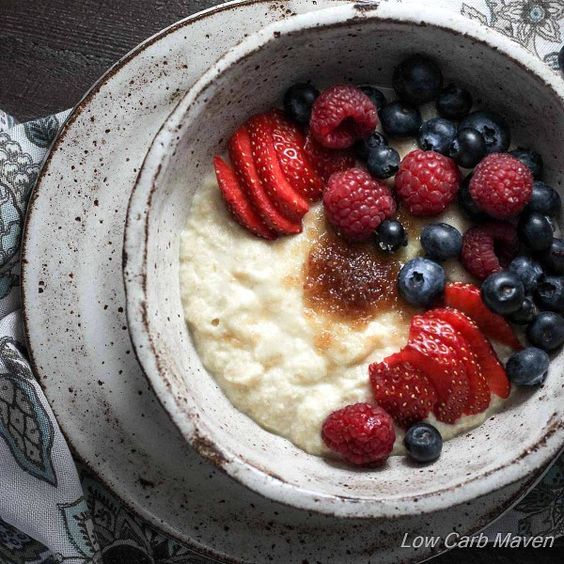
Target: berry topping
525,314
468,206
376,95
400,119
441,241
442,357
341,115
237,201
390,236
326,161
528,270
467,298
553,258
421,281
288,201
417,79
530,159
383,161
454,102
402,389
436,134
550,293
356,204
427,182
423,442
501,185
298,100
547,331
544,199
361,433
240,153
493,128
468,147
528,367
366,145
503,292
488,248
535,231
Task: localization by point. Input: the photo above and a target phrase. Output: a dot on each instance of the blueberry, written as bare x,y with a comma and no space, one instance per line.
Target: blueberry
423,442
454,102
528,367
525,314
436,134
390,236
547,331
550,293
503,292
441,241
383,162
298,100
376,95
561,59
420,281
528,270
417,79
400,120
364,146
535,231
544,199
468,206
493,128
530,159
553,258
468,147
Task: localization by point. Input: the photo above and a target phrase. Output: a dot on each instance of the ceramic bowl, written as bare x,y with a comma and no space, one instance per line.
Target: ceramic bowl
360,43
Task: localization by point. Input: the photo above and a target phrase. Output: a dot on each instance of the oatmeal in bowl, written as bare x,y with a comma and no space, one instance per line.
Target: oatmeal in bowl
345,282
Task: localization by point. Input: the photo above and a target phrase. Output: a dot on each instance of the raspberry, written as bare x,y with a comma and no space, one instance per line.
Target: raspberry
327,161
501,185
361,433
356,204
427,182
341,115
488,248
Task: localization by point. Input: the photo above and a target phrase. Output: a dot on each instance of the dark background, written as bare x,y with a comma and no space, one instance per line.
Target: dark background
52,51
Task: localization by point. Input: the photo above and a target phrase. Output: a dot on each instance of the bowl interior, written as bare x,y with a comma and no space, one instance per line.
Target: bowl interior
358,51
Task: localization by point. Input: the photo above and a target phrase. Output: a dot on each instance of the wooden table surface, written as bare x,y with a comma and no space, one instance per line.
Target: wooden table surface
52,51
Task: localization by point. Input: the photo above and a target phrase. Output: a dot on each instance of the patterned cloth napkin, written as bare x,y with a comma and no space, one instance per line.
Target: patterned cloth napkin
52,510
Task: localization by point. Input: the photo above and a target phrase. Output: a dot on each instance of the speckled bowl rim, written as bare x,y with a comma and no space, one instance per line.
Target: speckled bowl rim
135,276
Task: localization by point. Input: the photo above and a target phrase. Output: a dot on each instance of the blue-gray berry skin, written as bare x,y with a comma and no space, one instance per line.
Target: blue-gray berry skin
528,270
441,241
399,119
549,293
547,331
454,102
494,130
544,199
298,100
417,79
421,281
423,442
535,231
525,314
553,258
531,159
467,205
467,148
436,134
528,367
390,236
375,94
373,141
383,162
561,59
503,292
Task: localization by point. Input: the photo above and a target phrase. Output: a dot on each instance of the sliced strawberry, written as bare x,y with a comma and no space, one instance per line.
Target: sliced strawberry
279,190
242,159
467,298
493,371
327,161
237,201
441,352
402,389
480,394
289,145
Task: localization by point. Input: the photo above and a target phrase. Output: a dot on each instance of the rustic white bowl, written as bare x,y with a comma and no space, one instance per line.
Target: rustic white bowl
361,43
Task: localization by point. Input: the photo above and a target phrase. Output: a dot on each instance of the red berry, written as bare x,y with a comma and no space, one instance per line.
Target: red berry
361,433
501,185
427,182
489,248
237,201
341,115
402,389
467,298
356,203
327,161
240,152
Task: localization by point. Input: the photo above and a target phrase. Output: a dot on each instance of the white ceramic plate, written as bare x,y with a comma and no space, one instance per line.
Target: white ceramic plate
79,343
